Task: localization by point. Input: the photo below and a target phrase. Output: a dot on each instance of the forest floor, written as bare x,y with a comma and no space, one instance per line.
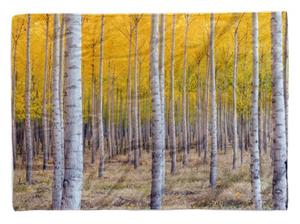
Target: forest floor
123,187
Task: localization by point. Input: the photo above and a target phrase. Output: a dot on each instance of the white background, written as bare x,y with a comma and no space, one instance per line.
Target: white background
12,7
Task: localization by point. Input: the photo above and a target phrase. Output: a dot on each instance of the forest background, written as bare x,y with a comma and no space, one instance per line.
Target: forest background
5,91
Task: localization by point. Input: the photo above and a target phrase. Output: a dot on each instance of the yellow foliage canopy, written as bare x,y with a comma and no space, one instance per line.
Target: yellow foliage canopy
116,42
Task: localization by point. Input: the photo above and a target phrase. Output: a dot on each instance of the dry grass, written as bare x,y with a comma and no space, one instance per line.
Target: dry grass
123,187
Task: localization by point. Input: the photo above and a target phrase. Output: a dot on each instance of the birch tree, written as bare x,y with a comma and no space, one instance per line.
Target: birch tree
157,127
45,112
135,102
213,161
129,96
286,76
198,118
255,162
101,132
28,130
112,112
72,184
58,159
278,116
161,68
172,106
94,118
109,139
235,66
61,77
206,106
184,113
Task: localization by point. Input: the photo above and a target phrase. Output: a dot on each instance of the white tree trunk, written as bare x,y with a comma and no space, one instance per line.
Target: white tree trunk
129,97
72,184
141,144
27,107
58,153
94,119
172,106
184,114
135,96
278,115
286,77
61,77
255,160
109,139
162,88
112,112
235,66
207,110
199,106
45,112
101,132
213,161
157,127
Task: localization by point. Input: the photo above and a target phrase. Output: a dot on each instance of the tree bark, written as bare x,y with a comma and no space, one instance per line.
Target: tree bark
213,161
109,139
278,116
162,89
207,110
129,97
225,129
255,160
158,138
135,96
61,77
235,64
101,132
172,106
184,114
198,120
45,112
112,112
141,144
73,177
58,159
94,118
286,77
29,151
